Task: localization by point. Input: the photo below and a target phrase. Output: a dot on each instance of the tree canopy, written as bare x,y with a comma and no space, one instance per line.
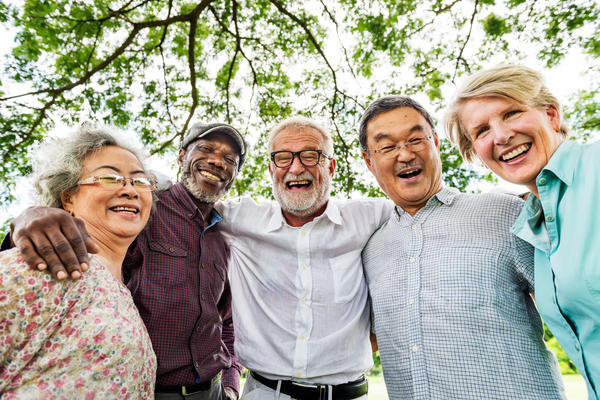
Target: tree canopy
156,66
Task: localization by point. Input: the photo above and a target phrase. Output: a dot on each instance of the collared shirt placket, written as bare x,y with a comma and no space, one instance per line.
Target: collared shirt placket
304,317
416,350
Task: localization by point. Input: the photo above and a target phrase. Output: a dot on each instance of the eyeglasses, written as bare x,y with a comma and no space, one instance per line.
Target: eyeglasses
308,158
111,181
415,144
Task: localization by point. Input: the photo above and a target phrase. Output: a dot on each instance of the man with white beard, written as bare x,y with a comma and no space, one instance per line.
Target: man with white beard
299,297
300,303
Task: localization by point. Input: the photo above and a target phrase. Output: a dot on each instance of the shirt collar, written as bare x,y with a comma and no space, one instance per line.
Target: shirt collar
190,207
445,196
561,163
332,211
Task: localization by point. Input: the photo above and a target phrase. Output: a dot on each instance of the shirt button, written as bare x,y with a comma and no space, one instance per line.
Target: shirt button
412,301
298,374
577,346
190,215
198,329
302,337
196,364
549,218
202,297
171,249
303,266
303,234
542,181
415,348
413,226
202,265
412,259
303,300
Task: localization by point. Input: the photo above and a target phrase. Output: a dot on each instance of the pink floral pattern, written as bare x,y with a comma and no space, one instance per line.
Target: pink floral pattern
70,339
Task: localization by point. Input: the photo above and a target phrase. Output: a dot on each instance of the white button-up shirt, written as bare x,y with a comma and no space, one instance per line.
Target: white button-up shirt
300,303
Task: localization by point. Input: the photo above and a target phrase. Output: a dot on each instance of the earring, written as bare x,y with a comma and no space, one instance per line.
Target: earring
71,212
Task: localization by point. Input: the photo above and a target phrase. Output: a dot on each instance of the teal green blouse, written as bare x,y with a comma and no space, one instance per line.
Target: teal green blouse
564,227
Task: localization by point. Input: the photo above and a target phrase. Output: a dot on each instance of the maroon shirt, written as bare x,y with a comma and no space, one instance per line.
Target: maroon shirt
176,271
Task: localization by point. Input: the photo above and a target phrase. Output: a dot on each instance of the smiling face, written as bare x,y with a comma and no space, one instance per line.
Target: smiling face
301,191
513,140
110,212
409,177
209,166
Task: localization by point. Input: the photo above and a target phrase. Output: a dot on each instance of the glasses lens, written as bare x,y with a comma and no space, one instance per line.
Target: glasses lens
110,181
309,157
142,184
283,159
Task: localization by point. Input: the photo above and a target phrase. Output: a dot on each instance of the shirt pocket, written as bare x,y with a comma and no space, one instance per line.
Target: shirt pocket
217,280
348,277
469,276
167,263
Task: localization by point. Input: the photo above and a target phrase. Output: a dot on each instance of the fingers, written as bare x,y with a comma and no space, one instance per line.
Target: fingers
50,238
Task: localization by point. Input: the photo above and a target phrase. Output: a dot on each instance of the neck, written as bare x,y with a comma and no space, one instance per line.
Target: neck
298,220
205,208
112,251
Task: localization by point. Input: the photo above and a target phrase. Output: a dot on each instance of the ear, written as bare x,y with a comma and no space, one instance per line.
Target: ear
554,117
436,140
368,161
270,170
331,168
181,157
66,199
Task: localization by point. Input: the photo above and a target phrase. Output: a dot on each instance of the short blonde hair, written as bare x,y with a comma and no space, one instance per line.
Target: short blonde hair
513,82
300,122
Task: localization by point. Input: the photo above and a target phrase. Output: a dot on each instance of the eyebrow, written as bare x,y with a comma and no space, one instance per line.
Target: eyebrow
413,129
136,171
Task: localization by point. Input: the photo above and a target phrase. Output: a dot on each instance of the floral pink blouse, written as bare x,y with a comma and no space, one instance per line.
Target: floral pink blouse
70,339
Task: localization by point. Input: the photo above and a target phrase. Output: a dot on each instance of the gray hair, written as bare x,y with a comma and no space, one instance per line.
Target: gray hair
300,122
58,163
384,104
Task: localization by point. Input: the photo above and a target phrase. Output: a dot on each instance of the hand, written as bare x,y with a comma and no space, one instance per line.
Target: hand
230,393
51,238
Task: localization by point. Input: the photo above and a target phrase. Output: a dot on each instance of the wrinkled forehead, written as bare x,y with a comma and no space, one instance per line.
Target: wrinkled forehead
298,138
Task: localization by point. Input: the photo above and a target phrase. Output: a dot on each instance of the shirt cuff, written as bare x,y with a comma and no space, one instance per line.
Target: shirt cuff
231,378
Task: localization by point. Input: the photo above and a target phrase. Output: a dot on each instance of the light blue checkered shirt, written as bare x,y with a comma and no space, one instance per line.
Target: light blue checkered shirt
451,306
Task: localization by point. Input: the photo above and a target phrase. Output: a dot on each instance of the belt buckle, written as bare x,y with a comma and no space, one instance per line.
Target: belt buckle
184,391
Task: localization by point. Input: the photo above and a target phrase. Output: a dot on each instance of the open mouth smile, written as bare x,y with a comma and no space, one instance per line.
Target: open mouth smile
210,176
298,184
515,153
410,173
124,209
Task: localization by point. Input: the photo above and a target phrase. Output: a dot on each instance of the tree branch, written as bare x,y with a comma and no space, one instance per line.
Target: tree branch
462,49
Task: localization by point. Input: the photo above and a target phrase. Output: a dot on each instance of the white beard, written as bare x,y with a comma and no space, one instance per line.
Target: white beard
305,203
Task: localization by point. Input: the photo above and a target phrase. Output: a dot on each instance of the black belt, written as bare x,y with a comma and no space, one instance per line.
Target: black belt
183,390
302,391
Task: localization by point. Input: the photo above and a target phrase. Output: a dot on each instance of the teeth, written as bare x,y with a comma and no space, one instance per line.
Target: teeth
409,171
126,209
519,150
210,176
298,183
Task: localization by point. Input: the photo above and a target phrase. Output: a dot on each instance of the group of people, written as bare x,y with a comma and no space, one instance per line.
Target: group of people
442,282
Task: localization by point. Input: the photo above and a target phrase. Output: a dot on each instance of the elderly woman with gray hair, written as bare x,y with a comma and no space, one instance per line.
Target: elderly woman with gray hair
80,338
508,118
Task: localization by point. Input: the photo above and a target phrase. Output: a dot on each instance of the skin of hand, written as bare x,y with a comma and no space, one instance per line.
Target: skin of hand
50,238
230,393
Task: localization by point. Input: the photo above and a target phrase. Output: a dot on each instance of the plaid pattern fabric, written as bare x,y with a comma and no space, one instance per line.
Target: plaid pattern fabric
451,307
177,273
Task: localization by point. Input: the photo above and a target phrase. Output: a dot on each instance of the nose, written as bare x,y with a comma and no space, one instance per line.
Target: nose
404,154
501,133
296,167
128,189
216,160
